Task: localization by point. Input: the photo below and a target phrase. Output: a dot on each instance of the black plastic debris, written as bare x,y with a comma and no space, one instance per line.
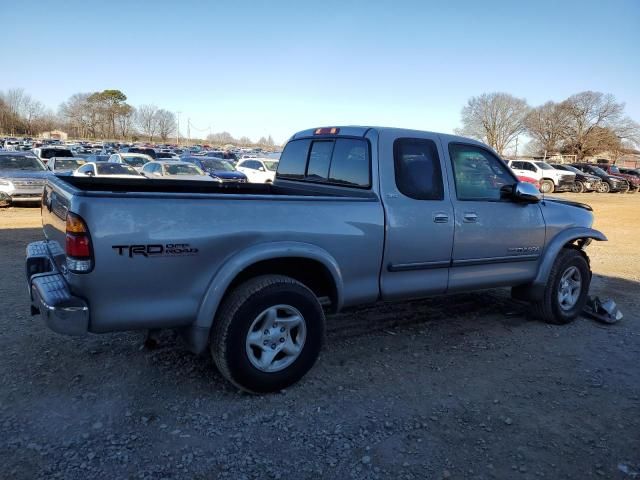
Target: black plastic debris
604,311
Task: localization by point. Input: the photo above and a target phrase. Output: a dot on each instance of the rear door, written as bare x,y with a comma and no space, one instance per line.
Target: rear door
497,241
419,215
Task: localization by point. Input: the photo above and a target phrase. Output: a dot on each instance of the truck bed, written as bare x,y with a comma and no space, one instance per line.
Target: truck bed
86,185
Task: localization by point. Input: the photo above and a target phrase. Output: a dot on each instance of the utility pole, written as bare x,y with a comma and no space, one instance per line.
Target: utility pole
189,131
516,148
178,130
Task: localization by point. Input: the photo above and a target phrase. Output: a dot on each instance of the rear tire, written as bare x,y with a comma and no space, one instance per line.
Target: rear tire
567,287
252,349
546,186
577,187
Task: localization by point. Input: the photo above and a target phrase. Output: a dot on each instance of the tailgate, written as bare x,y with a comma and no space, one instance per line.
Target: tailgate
56,201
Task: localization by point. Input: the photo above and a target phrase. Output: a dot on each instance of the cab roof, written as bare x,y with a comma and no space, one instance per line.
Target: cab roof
361,131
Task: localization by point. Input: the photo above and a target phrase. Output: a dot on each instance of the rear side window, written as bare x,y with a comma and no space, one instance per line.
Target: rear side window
417,169
343,161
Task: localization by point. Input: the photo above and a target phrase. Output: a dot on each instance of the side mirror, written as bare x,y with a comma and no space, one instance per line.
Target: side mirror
261,169
89,173
524,192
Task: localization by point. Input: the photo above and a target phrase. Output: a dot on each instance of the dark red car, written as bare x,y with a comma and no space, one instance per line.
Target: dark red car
634,181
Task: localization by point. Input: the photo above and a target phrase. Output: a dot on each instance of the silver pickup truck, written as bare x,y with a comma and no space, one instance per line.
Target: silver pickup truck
355,215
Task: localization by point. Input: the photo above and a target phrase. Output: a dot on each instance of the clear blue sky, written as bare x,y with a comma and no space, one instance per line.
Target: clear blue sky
268,67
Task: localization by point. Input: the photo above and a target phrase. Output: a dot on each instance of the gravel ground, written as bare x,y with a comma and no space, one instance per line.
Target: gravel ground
451,387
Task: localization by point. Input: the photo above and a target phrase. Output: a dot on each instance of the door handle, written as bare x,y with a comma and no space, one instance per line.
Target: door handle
470,217
440,218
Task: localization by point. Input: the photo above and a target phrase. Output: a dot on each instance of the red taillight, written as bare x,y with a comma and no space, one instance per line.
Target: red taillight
326,131
78,245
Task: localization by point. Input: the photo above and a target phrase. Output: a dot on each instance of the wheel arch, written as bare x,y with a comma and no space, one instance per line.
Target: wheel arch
307,263
576,237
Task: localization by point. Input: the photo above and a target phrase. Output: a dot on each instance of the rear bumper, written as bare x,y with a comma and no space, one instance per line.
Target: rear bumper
50,295
25,198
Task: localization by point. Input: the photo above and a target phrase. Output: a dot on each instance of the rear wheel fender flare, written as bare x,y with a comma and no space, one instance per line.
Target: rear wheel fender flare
223,278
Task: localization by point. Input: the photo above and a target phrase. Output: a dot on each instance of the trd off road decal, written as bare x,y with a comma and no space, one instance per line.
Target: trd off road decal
156,250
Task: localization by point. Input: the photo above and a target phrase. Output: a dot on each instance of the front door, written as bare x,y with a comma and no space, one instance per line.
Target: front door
497,241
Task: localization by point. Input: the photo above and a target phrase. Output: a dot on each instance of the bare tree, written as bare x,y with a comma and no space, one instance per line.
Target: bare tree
13,101
590,114
547,125
147,120
221,138
494,118
124,120
166,123
33,112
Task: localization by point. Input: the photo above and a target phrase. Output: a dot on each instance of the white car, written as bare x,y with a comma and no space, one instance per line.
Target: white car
174,170
258,170
106,169
551,179
135,160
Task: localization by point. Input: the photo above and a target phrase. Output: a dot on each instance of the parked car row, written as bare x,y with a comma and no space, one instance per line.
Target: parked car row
577,177
22,173
210,165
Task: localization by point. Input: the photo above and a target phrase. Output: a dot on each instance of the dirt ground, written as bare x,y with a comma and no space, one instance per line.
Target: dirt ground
451,387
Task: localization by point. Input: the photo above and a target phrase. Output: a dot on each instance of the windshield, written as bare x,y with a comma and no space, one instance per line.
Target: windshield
68,164
9,162
182,169
216,165
599,171
108,168
544,165
614,169
165,155
568,168
55,152
271,165
135,161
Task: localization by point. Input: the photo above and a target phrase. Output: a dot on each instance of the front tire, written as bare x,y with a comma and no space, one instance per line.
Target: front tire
624,189
604,188
566,290
268,334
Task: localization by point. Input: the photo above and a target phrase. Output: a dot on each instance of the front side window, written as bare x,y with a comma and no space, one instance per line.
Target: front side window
478,174
417,169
